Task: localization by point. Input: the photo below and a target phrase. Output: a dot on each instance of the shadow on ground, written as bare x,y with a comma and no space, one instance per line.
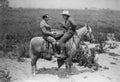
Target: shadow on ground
61,73
113,54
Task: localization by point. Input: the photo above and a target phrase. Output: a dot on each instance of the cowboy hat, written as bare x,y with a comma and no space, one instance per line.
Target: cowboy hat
66,12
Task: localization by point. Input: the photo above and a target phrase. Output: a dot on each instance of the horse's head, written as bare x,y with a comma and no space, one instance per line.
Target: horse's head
89,34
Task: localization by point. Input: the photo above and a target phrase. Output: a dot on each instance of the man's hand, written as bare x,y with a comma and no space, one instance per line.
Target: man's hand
53,30
50,27
63,26
60,24
53,34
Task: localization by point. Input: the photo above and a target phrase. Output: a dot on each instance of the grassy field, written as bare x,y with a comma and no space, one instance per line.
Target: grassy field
20,20
20,25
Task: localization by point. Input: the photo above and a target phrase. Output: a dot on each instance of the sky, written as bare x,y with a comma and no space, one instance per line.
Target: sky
64,4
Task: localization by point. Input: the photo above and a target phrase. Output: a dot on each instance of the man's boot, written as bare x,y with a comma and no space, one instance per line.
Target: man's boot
55,49
60,50
63,50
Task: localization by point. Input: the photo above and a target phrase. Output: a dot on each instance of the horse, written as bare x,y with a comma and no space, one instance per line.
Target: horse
86,33
73,46
37,47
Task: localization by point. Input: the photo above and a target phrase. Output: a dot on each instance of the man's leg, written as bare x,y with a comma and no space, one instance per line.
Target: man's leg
65,38
51,39
53,42
55,47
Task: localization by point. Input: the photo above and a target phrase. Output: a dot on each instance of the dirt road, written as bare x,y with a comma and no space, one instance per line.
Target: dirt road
110,71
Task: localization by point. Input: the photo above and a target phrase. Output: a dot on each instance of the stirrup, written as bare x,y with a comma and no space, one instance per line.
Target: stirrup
57,44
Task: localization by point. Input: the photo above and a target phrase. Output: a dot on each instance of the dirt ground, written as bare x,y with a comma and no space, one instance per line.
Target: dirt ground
110,71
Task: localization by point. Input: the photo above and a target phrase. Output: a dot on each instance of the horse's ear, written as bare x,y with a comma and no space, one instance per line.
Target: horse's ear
87,26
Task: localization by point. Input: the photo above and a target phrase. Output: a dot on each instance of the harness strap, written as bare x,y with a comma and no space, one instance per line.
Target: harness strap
77,45
72,42
79,38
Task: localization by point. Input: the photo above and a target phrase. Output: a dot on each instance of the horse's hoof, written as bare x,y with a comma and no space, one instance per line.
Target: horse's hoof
100,66
33,75
69,72
95,68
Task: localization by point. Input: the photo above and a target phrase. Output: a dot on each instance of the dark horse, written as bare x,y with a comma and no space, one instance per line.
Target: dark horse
38,46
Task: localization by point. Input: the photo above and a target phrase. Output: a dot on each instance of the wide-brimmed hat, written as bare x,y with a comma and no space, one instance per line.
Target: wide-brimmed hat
65,12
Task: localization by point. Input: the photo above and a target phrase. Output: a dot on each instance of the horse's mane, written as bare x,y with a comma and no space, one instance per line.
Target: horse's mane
81,31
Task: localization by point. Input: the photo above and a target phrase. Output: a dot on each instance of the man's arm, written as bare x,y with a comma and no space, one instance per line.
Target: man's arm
47,25
43,26
73,24
62,25
46,32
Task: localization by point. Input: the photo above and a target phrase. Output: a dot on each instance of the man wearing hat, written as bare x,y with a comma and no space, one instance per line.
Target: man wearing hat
70,28
46,30
69,25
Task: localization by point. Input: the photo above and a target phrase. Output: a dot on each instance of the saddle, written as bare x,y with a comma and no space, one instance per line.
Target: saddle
57,37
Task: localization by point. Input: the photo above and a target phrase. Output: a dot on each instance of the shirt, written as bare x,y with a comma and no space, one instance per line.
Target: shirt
69,25
46,28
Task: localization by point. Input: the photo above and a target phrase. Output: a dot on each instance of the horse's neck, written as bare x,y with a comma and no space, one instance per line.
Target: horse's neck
82,31
73,43
77,38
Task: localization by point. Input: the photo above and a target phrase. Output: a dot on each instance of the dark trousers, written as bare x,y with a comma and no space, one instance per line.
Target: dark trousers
67,36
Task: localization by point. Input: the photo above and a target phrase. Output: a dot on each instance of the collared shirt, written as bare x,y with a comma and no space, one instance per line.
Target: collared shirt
45,27
69,24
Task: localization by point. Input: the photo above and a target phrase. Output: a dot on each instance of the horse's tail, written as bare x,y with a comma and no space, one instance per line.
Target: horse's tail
30,50
39,41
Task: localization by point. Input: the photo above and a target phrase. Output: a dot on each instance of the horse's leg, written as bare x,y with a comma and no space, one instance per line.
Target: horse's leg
32,58
68,65
33,64
89,62
66,68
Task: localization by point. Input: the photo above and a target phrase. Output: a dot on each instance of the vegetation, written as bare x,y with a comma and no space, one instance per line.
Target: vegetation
4,3
18,26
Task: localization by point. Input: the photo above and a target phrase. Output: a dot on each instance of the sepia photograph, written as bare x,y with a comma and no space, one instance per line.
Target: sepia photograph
59,40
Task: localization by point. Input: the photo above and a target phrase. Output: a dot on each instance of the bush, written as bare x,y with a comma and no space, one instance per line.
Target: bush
117,36
18,26
5,75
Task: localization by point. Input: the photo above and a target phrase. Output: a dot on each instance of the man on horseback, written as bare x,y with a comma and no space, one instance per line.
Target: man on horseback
69,26
47,34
